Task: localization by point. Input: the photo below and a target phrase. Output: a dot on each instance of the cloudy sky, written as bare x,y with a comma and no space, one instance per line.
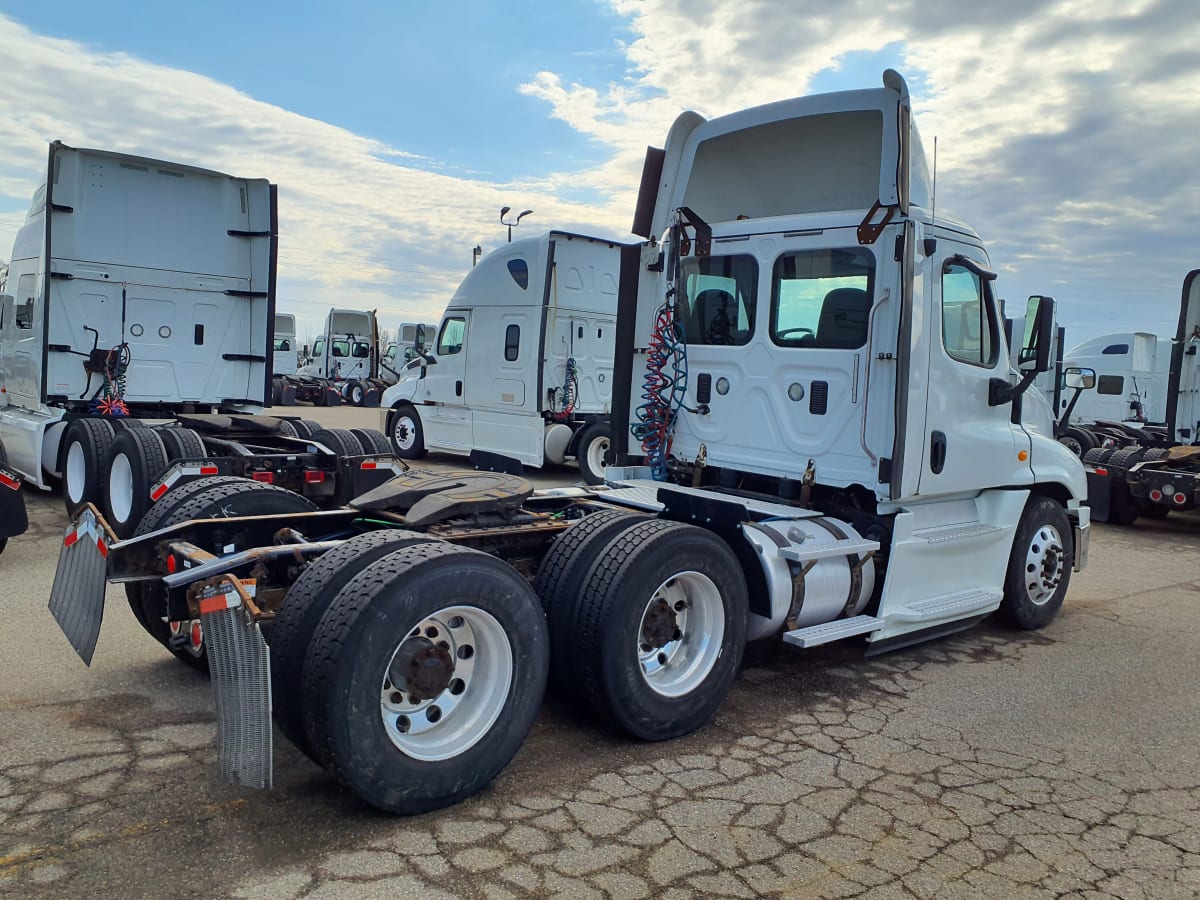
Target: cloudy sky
396,130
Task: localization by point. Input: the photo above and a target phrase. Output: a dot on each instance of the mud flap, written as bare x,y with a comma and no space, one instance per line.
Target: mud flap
1099,485
77,597
13,519
239,662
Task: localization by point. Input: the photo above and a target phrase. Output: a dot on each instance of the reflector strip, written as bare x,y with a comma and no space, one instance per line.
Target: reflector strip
9,482
367,464
71,538
209,470
228,600
158,492
103,547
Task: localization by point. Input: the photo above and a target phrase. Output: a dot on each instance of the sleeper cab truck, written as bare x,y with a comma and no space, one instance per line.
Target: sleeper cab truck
136,332
285,355
522,364
343,356
1150,471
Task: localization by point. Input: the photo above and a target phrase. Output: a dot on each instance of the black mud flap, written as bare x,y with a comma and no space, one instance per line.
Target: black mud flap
486,461
77,597
1099,499
239,664
13,519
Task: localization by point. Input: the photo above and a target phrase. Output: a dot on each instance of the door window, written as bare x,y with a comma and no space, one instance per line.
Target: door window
719,300
822,298
361,349
339,348
318,348
968,326
451,339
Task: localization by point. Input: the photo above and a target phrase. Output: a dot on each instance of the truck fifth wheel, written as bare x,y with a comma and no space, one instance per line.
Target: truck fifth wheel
818,436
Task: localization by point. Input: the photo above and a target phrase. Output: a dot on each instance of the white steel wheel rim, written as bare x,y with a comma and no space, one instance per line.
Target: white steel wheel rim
462,714
1044,564
120,487
356,394
76,472
595,454
681,665
405,431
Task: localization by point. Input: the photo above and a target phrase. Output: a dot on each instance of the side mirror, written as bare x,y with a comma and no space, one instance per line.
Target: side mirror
1039,335
420,341
304,351
1079,379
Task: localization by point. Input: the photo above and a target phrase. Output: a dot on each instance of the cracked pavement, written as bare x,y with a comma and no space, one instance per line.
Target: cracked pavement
992,763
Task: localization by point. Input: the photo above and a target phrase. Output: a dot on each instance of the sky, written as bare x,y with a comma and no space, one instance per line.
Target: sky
1067,131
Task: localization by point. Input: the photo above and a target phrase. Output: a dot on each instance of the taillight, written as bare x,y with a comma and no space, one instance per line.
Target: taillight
313,476
264,477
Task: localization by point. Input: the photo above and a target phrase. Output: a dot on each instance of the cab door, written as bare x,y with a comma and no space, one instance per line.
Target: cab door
968,444
445,415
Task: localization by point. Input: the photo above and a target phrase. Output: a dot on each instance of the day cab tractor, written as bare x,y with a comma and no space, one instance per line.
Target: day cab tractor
818,436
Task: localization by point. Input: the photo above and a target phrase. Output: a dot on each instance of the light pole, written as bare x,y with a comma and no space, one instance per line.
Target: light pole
476,251
504,211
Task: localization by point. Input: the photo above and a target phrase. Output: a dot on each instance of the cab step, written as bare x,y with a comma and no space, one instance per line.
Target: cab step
947,533
827,632
947,606
842,547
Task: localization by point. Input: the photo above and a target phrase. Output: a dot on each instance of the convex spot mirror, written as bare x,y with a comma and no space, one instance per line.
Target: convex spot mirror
1081,379
1040,329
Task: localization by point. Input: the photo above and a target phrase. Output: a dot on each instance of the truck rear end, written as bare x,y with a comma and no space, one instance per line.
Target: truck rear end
157,284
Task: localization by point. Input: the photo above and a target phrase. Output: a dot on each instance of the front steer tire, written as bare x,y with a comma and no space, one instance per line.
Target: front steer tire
623,664
1039,567
354,647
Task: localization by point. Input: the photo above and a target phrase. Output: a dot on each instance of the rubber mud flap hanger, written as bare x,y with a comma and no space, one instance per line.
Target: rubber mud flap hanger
869,231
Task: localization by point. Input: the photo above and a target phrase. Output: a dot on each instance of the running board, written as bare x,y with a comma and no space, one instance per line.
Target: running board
827,632
843,547
946,533
948,606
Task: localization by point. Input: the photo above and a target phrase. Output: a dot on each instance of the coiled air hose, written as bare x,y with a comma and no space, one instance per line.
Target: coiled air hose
663,389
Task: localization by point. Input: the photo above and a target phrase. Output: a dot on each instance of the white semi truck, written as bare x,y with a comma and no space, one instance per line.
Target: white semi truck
285,353
1148,470
135,339
819,437
522,365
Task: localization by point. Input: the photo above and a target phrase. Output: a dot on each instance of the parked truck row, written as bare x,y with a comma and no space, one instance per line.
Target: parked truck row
816,435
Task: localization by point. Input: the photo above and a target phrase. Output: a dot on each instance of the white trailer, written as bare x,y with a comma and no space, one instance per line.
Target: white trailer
136,328
827,446
522,365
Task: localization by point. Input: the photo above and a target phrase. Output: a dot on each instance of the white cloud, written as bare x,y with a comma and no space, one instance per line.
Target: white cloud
1067,129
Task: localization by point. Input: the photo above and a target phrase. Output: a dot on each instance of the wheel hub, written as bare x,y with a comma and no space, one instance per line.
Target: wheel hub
421,669
1044,565
660,625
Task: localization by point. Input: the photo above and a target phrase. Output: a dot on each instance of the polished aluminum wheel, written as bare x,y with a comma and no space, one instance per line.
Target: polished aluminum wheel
1044,564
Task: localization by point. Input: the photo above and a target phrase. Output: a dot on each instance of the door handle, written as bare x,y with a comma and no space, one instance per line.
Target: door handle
937,452
458,389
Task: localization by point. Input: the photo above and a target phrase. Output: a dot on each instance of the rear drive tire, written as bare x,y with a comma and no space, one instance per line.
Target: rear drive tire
306,428
407,434
424,677
560,579
590,451
306,601
222,495
181,443
660,629
276,392
136,460
1039,567
86,444
340,440
356,393
372,442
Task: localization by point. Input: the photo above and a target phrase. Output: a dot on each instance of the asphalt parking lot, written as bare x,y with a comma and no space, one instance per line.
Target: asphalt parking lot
1063,762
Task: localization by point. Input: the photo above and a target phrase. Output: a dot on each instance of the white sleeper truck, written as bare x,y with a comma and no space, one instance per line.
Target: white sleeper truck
1147,470
135,339
285,354
817,436
522,364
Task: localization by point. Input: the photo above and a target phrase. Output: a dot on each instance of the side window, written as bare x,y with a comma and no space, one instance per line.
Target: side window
339,348
318,348
1115,350
1110,384
390,353
451,339
26,289
519,270
719,305
968,331
361,349
822,298
512,342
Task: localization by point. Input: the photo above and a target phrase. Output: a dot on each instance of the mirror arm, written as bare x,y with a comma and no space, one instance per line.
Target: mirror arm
1065,419
1000,391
